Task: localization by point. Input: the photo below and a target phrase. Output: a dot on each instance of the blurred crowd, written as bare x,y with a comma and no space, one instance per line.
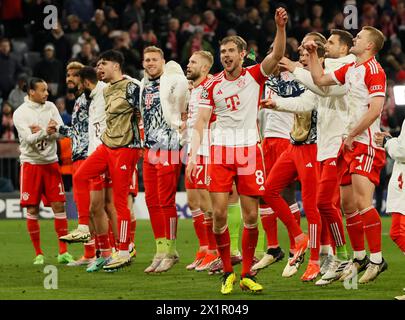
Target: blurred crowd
87,27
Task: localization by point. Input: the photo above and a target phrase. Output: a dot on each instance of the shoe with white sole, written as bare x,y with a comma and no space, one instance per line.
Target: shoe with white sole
81,262
334,273
373,270
271,256
157,259
290,270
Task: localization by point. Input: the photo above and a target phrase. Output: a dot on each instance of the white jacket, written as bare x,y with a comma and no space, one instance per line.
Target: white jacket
97,116
331,106
396,146
36,148
173,94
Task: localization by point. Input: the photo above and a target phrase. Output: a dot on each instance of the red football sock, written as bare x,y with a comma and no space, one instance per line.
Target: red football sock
325,238
224,249
132,230
124,233
269,222
249,243
354,226
89,249
198,222
170,214
104,244
34,231
111,237
157,220
61,228
372,228
212,244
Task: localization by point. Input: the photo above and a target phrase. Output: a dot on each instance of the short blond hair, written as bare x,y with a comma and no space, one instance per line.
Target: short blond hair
75,65
153,49
207,56
375,36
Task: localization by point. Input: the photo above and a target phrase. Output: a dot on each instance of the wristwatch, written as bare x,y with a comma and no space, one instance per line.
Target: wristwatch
386,138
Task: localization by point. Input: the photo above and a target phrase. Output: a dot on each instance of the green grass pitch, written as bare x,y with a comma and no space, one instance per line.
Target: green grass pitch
21,280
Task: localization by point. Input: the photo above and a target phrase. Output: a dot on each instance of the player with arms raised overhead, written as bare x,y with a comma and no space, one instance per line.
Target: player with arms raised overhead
366,83
233,96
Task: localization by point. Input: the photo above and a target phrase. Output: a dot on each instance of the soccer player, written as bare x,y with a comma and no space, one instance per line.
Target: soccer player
40,176
277,127
330,105
163,100
396,194
119,151
365,81
299,162
233,97
79,135
198,198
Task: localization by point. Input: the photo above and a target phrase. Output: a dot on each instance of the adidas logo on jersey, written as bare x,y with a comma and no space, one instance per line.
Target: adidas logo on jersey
359,168
261,188
309,165
124,167
166,164
219,92
333,163
200,182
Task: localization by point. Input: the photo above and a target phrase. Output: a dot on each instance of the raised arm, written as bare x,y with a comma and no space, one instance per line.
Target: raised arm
271,60
320,79
303,103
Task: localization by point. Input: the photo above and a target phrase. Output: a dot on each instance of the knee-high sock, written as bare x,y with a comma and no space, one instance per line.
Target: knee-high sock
61,228
234,223
34,231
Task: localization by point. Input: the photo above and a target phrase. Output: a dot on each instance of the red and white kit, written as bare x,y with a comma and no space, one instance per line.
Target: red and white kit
200,180
396,189
40,174
235,153
362,82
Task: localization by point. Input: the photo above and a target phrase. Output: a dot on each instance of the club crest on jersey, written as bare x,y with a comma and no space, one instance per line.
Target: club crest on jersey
241,83
204,93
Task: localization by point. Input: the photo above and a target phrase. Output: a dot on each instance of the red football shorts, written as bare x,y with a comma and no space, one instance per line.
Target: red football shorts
272,149
244,165
200,179
40,181
364,160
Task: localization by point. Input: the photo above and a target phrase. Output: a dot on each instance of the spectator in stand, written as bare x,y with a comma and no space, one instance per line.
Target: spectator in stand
16,97
266,37
387,25
185,10
63,48
195,43
369,15
97,22
250,28
214,29
7,129
85,37
86,55
132,57
159,18
73,29
9,68
171,45
189,28
84,9
104,41
66,117
51,70
134,13
149,38
113,18
237,14
394,60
